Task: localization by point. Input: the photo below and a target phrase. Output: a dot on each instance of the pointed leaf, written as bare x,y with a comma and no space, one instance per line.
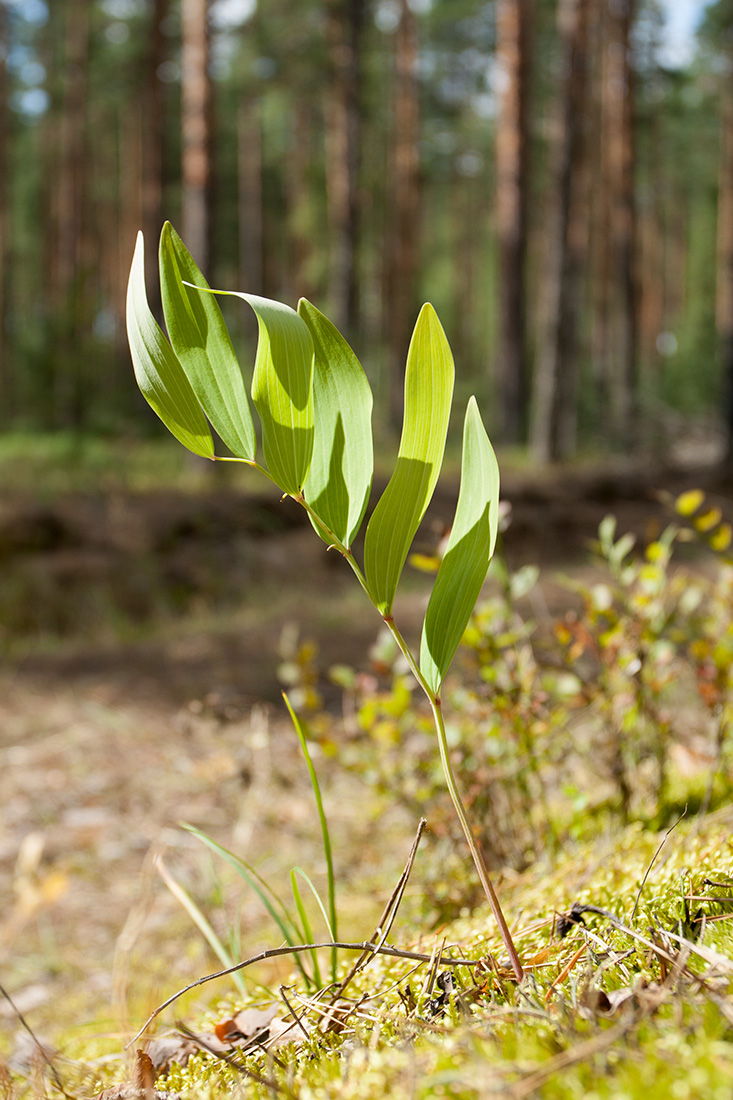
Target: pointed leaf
428,393
340,475
470,546
159,375
201,341
282,390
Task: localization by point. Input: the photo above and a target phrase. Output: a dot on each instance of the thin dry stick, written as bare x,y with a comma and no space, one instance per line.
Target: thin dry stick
653,861
298,1019
232,1058
275,952
389,913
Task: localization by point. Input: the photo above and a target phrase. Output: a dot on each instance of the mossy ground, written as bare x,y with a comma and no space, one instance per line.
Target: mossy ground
601,1014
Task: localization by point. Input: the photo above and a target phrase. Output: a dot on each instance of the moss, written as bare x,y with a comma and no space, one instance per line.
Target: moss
552,1040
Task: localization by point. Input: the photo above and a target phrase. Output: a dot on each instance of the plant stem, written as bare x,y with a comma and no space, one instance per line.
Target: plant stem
478,858
437,709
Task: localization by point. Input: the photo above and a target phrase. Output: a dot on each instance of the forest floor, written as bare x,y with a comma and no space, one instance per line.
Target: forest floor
142,633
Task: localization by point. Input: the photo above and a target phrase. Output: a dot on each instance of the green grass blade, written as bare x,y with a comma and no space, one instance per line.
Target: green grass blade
201,923
470,546
340,475
159,375
289,929
327,851
319,900
428,394
307,930
202,343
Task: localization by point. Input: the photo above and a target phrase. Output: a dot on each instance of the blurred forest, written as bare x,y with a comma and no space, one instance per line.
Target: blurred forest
532,167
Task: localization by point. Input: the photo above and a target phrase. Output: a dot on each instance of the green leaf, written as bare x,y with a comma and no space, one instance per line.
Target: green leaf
272,903
307,931
332,920
340,475
282,390
201,341
396,518
470,546
159,375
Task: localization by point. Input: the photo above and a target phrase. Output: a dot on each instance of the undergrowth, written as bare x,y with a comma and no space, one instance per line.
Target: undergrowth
595,751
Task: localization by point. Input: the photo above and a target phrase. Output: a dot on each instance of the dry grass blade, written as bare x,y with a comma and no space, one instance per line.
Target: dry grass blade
38,1045
389,913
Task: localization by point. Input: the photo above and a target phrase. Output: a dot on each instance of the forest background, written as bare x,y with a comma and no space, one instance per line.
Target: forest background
544,172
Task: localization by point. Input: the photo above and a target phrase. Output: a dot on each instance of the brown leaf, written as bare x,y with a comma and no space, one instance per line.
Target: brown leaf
163,1052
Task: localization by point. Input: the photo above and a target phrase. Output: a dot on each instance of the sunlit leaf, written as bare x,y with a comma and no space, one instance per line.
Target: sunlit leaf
340,474
689,502
159,375
428,393
708,520
282,389
470,546
201,341
722,538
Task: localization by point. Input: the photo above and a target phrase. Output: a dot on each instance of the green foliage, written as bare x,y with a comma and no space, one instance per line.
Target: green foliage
284,380
340,476
201,343
428,392
159,374
467,555
314,404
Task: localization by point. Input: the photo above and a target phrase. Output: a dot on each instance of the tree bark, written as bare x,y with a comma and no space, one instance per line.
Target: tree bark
620,351
153,144
513,19
554,413
249,160
404,224
724,281
6,373
196,130
344,25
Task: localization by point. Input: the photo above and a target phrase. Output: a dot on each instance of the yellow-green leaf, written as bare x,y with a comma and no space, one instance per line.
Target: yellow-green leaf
428,394
340,475
202,343
689,502
470,546
159,375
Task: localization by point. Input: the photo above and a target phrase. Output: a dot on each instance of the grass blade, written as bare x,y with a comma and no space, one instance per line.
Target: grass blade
289,929
428,394
332,921
307,931
201,923
160,376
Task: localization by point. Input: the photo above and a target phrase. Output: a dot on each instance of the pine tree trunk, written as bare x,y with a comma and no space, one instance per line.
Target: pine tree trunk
620,351
152,144
724,281
71,244
344,25
404,224
513,19
249,160
6,373
196,130
554,412
300,237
